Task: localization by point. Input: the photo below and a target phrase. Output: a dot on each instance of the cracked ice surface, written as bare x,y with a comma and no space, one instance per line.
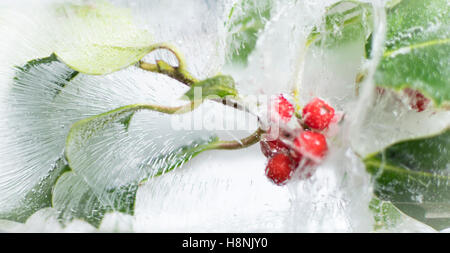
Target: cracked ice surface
217,191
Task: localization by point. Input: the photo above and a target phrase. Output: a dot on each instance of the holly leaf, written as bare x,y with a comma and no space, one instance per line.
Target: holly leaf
41,103
38,197
246,20
73,198
30,104
417,49
218,86
414,176
101,38
386,215
389,218
126,120
107,156
65,74
344,22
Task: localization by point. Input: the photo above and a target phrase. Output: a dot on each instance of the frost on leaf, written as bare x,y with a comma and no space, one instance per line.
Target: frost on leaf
108,156
44,100
32,128
38,197
66,74
73,198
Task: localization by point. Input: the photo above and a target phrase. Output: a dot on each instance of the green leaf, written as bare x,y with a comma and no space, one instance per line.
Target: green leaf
27,110
417,49
38,117
246,20
344,22
126,120
106,156
414,176
102,38
39,196
386,215
85,131
73,198
389,218
218,86
65,74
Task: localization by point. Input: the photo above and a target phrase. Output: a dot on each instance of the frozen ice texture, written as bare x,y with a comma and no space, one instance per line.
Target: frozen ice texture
218,191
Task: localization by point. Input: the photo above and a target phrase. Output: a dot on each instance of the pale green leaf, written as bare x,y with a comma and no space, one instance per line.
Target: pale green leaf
101,38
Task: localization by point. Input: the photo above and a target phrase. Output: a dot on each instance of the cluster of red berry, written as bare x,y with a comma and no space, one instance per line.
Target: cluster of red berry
299,150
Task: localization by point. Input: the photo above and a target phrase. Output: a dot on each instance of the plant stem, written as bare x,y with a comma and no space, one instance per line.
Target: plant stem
243,143
164,68
171,110
181,74
235,105
173,50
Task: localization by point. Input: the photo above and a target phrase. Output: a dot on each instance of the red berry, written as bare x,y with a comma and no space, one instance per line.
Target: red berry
279,169
311,144
276,145
283,108
418,101
317,114
269,148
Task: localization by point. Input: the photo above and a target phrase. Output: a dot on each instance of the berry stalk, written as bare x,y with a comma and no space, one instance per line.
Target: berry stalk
243,143
182,75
